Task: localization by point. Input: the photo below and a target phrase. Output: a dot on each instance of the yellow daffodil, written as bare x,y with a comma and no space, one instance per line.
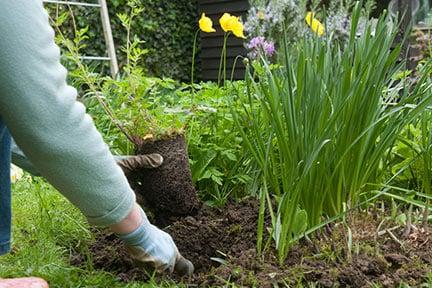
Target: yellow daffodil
233,24
206,24
315,25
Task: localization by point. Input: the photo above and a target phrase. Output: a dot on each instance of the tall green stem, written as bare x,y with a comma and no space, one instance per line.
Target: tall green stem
222,62
193,63
192,84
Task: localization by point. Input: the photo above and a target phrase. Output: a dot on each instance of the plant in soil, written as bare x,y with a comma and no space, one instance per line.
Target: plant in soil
321,126
153,129
411,163
135,104
216,151
132,103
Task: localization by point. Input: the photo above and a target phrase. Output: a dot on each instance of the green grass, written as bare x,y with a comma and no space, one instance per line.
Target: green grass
45,228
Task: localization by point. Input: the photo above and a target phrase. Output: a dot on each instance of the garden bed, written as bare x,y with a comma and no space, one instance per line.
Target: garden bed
221,243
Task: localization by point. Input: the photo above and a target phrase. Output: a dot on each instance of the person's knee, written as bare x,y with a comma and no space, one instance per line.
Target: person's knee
30,282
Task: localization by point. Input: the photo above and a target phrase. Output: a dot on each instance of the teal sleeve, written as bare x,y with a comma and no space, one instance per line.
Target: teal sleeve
47,121
19,159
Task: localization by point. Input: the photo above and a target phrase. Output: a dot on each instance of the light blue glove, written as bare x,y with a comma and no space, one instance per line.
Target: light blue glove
149,244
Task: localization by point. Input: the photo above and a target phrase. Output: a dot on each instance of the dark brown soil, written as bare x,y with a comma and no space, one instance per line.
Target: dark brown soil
167,190
221,243
216,233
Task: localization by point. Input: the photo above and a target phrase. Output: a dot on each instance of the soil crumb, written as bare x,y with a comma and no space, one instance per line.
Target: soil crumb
221,242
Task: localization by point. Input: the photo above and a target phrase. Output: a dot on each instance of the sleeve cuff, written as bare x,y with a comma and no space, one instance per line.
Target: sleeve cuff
117,214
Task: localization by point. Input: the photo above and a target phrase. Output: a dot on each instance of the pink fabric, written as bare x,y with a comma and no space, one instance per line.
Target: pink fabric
31,282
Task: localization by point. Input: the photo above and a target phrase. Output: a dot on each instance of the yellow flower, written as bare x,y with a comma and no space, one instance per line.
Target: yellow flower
225,22
206,24
237,28
315,25
231,23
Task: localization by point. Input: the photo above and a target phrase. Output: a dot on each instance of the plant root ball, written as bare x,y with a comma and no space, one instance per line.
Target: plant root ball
167,190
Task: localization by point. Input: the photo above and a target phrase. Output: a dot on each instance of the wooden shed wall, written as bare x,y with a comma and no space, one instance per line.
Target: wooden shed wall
211,43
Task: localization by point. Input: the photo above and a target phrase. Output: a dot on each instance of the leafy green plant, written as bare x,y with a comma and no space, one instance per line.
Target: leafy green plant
132,102
319,126
412,163
135,104
215,148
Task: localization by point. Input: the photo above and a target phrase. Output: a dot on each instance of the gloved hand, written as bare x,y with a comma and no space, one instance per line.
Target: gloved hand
149,244
131,163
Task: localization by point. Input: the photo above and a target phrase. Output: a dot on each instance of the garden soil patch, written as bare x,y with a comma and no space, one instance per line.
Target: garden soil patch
167,190
221,243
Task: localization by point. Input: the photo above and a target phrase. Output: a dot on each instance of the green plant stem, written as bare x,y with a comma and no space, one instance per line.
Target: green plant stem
426,155
234,66
261,215
222,62
192,88
128,33
93,87
193,62
225,62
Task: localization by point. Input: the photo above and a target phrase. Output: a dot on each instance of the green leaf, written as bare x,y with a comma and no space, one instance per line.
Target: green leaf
300,223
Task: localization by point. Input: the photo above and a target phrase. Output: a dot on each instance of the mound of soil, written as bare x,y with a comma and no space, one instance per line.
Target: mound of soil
207,238
167,190
221,243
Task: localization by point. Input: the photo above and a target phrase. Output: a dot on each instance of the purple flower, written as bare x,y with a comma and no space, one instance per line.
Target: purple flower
269,48
259,45
256,42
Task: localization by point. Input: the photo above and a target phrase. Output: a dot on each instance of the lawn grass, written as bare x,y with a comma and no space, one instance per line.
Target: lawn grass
45,228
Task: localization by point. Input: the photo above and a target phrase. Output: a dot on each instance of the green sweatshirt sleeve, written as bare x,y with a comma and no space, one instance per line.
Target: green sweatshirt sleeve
47,122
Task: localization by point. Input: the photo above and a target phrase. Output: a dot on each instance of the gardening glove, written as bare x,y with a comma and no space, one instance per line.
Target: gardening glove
149,244
132,163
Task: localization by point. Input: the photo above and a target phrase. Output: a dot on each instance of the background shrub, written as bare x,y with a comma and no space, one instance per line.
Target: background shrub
166,28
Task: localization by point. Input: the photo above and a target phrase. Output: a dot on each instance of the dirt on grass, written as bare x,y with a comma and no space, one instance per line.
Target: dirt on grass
221,243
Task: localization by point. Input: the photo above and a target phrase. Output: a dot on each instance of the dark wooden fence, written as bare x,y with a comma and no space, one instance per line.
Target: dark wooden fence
211,43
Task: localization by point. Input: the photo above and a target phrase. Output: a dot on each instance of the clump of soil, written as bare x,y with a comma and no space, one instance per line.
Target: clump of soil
221,243
167,190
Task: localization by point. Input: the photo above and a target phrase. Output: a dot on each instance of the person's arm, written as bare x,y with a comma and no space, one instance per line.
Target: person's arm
58,137
19,159
128,163
47,122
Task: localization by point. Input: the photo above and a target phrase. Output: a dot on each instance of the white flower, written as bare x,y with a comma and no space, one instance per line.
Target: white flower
16,173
